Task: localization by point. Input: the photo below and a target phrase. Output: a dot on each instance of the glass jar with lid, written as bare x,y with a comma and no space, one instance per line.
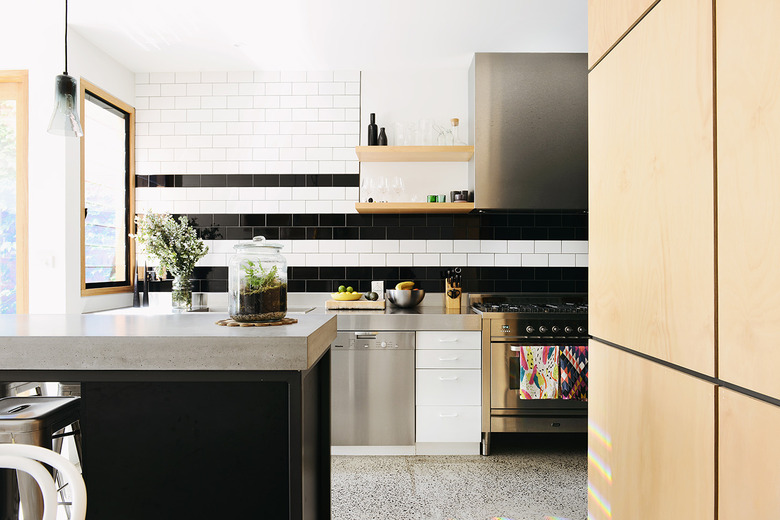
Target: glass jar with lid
257,282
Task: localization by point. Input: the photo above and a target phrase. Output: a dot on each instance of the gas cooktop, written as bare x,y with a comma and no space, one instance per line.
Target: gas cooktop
517,305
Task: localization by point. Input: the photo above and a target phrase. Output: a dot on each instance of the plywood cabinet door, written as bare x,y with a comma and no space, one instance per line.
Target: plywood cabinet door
651,440
748,82
652,274
608,21
748,455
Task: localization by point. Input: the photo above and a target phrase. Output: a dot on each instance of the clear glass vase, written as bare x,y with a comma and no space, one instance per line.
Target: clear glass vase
181,295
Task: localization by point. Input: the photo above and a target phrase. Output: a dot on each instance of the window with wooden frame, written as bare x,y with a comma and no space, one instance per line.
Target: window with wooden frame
14,269
107,192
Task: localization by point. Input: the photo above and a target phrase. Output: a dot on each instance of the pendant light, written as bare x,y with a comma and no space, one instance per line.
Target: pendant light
65,119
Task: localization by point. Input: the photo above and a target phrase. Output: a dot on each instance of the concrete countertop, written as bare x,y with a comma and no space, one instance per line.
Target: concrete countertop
190,341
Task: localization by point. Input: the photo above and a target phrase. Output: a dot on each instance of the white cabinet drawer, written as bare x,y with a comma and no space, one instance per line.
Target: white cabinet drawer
455,339
449,424
457,387
449,358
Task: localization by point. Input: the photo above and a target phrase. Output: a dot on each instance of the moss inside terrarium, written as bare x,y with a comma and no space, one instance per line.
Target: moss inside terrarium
262,296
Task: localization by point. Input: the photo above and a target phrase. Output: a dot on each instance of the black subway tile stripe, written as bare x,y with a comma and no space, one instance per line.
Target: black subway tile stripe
226,219
319,233
292,233
372,233
238,233
346,180
265,181
400,233
213,181
360,220
237,180
279,219
253,220
333,220
289,180
346,233
270,233
305,219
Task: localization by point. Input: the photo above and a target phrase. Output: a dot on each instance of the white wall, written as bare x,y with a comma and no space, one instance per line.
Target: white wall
54,194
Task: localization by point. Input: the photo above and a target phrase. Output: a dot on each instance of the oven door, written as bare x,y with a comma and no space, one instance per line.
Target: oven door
522,374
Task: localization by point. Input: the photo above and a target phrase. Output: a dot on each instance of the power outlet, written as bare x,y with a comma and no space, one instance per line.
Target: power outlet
379,288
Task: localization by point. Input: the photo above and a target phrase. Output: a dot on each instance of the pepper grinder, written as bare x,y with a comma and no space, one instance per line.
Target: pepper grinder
136,290
146,287
372,131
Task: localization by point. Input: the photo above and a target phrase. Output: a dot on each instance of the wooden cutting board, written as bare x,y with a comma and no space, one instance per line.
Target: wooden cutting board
356,305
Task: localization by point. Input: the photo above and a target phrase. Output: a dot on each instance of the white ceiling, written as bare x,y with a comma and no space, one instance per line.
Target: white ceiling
179,35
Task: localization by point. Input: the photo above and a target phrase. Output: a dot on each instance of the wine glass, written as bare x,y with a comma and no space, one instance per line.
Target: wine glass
398,187
367,188
383,187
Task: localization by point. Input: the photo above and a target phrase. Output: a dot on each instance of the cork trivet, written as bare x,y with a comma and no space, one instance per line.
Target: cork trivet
233,323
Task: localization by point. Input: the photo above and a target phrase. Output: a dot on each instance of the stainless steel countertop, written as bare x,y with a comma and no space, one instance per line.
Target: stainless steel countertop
422,317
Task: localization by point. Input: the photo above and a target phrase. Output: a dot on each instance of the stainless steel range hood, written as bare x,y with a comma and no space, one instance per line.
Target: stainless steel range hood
528,121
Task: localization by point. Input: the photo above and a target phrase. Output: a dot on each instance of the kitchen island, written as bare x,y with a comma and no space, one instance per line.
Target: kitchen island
182,418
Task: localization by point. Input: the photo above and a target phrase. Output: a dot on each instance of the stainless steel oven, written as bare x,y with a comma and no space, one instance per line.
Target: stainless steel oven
536,348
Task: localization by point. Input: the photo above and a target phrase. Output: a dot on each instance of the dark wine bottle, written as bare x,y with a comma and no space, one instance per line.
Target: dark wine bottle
372,131
382,139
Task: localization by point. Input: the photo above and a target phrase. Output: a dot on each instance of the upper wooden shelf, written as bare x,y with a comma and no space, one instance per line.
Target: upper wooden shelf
414,207
414,153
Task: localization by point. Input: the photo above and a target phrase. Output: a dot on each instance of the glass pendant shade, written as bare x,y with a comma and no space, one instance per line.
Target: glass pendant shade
65,119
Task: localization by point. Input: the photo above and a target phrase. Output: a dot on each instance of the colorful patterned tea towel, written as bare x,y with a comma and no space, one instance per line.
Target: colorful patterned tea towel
574,373
538,372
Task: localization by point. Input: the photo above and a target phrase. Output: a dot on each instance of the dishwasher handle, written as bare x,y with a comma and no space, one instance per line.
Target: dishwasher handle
365,335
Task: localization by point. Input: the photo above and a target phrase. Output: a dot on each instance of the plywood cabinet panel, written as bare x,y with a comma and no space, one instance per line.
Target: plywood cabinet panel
608,21
748,455
748,83
651,440
651,274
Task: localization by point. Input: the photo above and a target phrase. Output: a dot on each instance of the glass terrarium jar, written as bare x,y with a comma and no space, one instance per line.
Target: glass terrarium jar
257,282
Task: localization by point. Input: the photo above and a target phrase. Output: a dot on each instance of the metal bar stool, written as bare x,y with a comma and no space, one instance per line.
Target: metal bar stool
40,421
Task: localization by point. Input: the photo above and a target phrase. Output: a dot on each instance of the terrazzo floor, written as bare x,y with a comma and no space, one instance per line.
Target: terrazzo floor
526,477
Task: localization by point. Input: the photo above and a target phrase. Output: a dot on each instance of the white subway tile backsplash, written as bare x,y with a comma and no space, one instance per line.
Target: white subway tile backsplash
295,259
305,246
225,193
196,114
212,154
305,89
331,114
239,102
305,141
425,259
385,246
251,89
228,115
352,88
200,167
239,128
346,259
493,246
319,75
252,194
562,260
265,206
481,260
466,246
307,193
161,102
292,102
147,90
332,193
161,154
344,206
188,77
319,154
162,77
225,167
292,206
278,167
439,246
199,141
148,141
141,155
453,259
278,193
372,260
186,128
508,260
241,76
146,168
141,128
319,260
224,89
547,246
265,101
332,246
574,246
225,141
141,77
520,246
412,246
198,193
162,129
292,154
173,116
353,193
213,77
346,127
399,259
535,260
278,141
581,260
320,127
319,206
199,89
304,167
251,141
186,206
266,127
251,114
319,101
186,154
292,127
330,89
278,114
346,101
213,102
173,166
170,141
304,114
360,246
278,89
147,116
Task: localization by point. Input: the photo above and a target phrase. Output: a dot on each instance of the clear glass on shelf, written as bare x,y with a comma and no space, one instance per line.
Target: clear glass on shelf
257,282
398,187
367,188
383,187
454,126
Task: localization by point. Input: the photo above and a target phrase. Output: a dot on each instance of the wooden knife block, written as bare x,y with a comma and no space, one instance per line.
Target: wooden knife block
452,303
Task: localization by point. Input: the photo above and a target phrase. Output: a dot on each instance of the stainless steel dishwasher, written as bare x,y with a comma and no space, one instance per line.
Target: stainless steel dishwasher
372,389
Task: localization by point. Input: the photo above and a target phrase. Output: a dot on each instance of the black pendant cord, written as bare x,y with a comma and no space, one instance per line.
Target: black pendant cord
66,37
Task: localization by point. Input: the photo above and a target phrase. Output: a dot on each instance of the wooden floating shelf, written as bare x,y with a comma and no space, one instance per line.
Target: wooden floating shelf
414,153
414,207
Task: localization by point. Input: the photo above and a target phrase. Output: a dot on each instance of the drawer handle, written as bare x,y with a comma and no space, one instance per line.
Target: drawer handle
448,415
442,340
449,358
453,378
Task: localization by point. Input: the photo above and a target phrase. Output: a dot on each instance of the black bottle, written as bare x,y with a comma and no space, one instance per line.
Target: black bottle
382,139
137,290
372,138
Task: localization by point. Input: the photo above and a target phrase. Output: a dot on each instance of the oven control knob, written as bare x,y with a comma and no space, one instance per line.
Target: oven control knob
542,329
568,330
529,329
581,330
555,329
383,344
